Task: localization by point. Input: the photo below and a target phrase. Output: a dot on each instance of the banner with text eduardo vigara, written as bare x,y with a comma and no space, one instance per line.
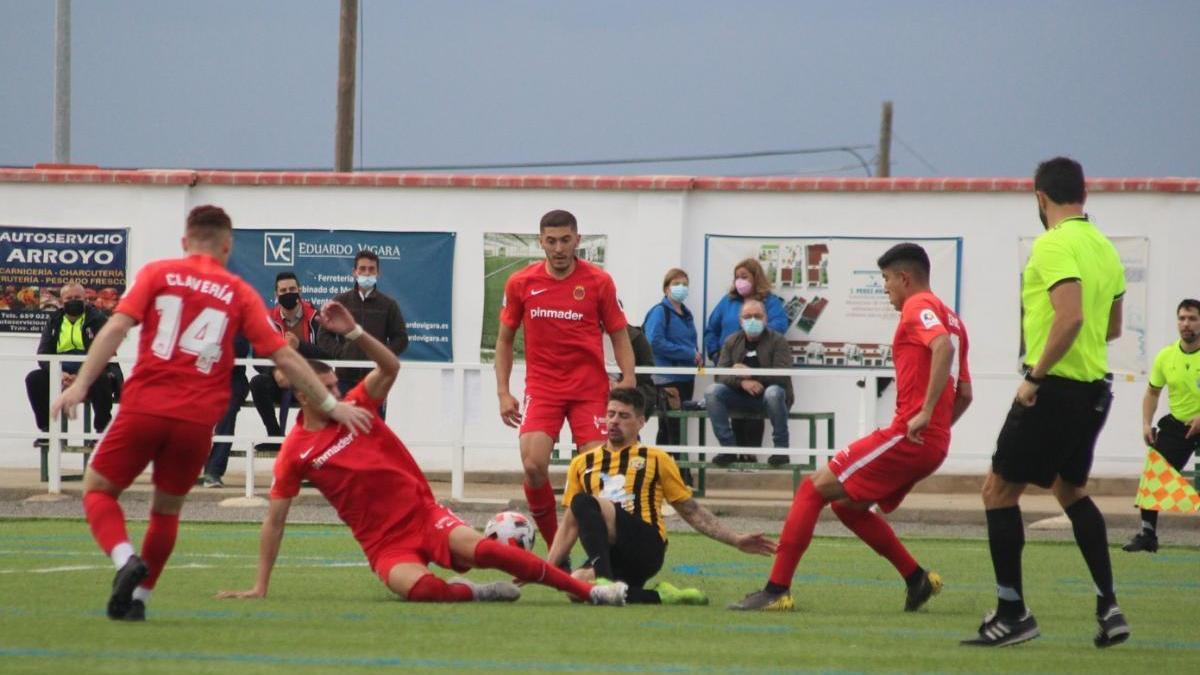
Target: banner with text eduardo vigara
415,268
837,311
35,263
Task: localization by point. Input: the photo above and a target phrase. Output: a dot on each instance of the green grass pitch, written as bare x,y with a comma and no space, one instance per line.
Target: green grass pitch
327,611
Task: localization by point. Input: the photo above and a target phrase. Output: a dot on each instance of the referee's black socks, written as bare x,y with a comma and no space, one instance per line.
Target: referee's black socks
1006,540
1092,538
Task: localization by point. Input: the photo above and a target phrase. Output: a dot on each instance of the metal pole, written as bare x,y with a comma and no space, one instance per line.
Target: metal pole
56,440
885,142
344,134
62,82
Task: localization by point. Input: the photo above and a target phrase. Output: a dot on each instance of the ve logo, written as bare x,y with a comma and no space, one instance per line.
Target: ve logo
279,248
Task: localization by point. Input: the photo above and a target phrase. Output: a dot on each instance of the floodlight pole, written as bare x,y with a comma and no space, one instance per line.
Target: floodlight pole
62,82
347,46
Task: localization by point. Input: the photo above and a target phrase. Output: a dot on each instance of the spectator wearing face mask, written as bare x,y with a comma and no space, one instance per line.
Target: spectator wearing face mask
671,330
749,283
378,314
70,330
753,347
296,320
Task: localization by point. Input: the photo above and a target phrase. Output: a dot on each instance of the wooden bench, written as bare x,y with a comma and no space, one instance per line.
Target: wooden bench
561,456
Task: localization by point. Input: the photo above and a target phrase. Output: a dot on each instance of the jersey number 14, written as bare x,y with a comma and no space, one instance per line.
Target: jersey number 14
201,338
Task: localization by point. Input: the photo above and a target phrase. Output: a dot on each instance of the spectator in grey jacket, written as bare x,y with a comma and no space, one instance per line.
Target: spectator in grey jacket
754,346
378,314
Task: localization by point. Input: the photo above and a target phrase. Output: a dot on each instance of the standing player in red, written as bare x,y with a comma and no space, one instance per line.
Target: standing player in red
933,390
190,309
565,305
379,491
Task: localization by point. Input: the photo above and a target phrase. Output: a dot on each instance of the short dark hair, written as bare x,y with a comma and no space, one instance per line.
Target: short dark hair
207,223
368,255
908,255
630,397
558,218
1061,179
319,367
282,276
1188,303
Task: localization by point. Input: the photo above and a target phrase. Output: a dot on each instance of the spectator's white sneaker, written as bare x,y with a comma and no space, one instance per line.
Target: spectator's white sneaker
497,591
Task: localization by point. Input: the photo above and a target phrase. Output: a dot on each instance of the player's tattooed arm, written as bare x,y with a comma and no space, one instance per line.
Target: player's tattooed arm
707,524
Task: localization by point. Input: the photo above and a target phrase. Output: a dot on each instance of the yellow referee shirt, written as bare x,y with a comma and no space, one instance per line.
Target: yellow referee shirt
1072,249
1179,372
636,478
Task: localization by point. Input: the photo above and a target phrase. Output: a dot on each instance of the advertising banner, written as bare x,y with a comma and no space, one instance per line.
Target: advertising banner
838,313
415,268
35,263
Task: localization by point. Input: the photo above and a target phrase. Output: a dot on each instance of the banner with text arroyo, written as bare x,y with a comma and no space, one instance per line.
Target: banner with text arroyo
35,263
415,268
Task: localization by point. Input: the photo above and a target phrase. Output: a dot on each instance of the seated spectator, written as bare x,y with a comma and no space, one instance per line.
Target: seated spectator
749,283
296,319
754,346
671,330
70,330
615,511
218,457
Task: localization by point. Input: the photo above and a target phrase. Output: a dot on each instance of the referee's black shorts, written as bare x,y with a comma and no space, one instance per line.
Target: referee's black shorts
1172,444
1056,436
639,550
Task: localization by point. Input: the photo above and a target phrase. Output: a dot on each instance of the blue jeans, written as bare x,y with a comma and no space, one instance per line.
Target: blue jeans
720,399
218,458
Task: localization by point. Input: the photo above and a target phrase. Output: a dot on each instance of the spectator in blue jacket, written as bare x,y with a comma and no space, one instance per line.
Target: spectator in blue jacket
749,283
671,330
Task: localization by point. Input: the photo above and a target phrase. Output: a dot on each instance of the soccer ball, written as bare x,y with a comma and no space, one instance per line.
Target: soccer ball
512,528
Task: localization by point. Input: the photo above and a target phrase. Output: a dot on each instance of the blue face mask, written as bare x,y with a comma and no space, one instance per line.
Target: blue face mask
679,292
366,281
753,327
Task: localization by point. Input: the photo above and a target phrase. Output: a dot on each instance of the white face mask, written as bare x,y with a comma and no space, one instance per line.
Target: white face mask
752,326
366,281
679,292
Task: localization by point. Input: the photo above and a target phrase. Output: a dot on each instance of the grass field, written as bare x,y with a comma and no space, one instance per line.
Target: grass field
327,611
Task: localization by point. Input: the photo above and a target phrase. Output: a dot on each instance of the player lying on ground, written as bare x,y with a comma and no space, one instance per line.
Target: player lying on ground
932,390
379,491
614,501
190,308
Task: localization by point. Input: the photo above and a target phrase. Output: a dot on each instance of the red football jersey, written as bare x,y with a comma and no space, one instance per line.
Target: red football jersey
564,320
923,318
190,309
371,480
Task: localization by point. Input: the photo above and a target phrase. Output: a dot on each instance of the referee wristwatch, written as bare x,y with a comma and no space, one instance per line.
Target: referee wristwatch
1036,381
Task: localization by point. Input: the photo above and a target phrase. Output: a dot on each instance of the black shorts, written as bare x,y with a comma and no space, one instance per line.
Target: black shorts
1056,436
1171,443
638,552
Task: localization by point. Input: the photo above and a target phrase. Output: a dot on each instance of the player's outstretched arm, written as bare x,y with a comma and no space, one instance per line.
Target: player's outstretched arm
510,408
704,522
103,348
297,371
268,550
335,317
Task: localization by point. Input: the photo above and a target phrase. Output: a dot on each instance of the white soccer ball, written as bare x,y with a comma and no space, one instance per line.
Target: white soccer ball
512,528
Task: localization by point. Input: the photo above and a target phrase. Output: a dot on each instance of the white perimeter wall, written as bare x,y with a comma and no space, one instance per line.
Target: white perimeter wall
649,231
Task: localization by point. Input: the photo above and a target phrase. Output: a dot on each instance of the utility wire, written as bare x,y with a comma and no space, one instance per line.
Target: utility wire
916,154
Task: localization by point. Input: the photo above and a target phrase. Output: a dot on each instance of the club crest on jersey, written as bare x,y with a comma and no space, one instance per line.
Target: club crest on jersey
638,463
929,319
578,293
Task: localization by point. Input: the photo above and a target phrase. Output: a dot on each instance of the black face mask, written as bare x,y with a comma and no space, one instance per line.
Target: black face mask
289,300
73,307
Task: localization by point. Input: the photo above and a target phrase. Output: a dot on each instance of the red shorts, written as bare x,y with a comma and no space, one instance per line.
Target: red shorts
177,448
426,541
587,417
883,466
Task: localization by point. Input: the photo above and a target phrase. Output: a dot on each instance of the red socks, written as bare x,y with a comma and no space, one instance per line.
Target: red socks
107,520
430,588
544,509
528,567
797,533
877,534
158,544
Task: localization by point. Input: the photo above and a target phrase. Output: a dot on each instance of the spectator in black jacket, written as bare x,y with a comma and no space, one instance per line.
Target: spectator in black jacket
71,330
378,314
295,319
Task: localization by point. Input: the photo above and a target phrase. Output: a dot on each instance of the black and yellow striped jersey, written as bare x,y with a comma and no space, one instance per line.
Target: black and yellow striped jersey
636,478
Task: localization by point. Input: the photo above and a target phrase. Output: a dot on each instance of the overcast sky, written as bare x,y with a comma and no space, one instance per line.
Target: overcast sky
980,88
